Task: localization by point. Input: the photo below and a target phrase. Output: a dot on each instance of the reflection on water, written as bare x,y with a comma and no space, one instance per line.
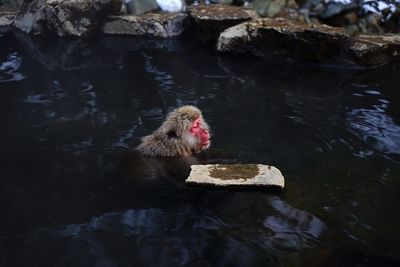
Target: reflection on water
9,68
72,192
183,236
375,127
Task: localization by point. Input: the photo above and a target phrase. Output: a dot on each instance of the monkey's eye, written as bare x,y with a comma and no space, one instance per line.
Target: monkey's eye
172,134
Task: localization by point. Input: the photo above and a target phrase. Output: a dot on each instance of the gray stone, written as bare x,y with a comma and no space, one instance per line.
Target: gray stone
281,37
138,7
320,43
236,176
274,8
224,2
375,49
211,20
6,20
65,18
116,7
162,25
337,8
10,5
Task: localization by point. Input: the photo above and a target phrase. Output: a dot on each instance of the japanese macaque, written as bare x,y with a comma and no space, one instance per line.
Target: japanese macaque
183,133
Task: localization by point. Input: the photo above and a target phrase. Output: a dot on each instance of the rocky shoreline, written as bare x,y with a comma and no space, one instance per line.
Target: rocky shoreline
231,29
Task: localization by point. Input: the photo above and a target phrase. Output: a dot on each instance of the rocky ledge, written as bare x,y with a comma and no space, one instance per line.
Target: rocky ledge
313,42
374,49
234,29
211,20
162,25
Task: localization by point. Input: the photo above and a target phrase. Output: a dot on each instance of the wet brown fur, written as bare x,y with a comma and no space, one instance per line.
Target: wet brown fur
172,137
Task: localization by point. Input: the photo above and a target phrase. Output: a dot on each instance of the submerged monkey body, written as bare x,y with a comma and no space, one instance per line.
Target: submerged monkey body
183,133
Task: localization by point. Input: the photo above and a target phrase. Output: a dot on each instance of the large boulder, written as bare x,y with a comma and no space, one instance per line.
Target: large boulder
271,37
318,43
63,17
162,25
377,49
211,20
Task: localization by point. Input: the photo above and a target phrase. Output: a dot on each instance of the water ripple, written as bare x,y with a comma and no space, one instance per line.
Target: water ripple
9,69
375,127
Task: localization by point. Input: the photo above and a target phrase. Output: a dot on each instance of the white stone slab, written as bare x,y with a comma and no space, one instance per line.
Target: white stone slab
236,176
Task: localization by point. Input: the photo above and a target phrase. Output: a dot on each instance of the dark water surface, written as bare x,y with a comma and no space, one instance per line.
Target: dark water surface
73,194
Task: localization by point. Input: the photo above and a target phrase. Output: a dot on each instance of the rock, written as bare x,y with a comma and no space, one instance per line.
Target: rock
6,20
236,176
171,5
10,5
65,18
339,14
211,20
375,49
274,8
318,43
162,25
281,37
371,23
138,7
116,7
224,2
334,9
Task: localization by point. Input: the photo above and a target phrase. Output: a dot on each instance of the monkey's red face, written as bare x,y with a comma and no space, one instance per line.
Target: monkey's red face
198,130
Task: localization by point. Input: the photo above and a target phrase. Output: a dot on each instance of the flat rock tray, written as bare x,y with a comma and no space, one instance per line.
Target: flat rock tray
237,176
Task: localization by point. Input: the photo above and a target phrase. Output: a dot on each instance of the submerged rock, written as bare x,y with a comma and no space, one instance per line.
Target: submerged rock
236,176
151,24
65,18
211,20
320,43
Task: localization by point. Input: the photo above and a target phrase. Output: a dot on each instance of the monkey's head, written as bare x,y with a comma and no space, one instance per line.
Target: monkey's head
188,125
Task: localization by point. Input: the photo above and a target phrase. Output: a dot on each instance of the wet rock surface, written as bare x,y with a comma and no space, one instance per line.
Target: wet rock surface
211,20
320,43
65,18
162,25
236,176
6,20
